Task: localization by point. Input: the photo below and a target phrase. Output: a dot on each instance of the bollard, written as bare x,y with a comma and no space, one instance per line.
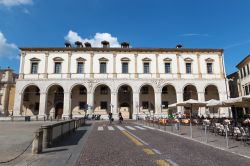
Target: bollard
36,118
206,133
37,144
227,141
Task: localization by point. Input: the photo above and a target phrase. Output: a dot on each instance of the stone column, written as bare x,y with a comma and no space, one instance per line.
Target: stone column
157,103
201,97
42,105
18,104
178,66
67,105
91,65
157,66
114,66
114,103
136,72
90,102
221,66
136,104
46,65
179,96
199,67
69,65
21,74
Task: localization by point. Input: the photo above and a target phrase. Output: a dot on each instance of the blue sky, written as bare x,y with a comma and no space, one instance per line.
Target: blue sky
144,23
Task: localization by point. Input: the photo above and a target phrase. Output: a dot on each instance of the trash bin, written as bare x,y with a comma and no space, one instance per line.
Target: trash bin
27,118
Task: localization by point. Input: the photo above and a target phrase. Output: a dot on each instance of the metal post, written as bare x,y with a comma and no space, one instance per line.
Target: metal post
206,133
227,141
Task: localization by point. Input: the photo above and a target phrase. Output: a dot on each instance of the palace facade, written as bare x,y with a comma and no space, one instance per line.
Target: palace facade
74,81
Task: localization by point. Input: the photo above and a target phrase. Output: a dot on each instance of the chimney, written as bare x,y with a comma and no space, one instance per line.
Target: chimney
78,44
125,45
105,44
67,44
179,46
87,45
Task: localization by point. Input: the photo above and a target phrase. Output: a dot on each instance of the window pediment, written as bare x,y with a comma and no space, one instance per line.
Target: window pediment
58,59
209,60
125,59
188,60
80,59
35,60
103,59
167,60
146,59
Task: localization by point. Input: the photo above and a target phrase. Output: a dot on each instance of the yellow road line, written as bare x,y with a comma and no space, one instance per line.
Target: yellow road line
148,151
162,163
132,138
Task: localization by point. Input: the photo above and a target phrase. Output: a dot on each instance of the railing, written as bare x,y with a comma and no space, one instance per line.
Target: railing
120,75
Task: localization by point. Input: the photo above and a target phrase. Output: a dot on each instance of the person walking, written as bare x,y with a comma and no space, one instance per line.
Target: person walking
110,118
120,118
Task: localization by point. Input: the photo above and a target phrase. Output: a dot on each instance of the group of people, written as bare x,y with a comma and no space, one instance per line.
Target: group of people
111,119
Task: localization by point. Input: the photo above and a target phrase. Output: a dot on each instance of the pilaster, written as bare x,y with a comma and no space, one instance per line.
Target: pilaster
90,103
42,105
178,66
199,67
158,103
114,66
69,65
157,66
136,70
136,103
21,74
67,105
114,103
91,65
46,65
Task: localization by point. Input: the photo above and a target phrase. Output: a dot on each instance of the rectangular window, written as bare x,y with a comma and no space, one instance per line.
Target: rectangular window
82,105
144,90
0,99
103,67
246,90
145,105
167,68
58,66
188,68
164,104
104,90
146,67
248,70
209,68
80,67
34,68
244,71
37,106
104,105
83,91
241,73
125,67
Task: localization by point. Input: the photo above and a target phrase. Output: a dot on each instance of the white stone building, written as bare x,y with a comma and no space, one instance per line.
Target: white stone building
244,76
65,82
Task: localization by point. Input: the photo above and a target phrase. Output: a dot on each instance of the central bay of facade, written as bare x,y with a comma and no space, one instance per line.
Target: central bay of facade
72,82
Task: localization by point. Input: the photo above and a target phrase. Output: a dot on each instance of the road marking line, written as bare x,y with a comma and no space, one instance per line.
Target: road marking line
157,151
140,127
148,151
111,128
145,143
162,163
120,128
149,127
100,128
138,143
172,163
131,128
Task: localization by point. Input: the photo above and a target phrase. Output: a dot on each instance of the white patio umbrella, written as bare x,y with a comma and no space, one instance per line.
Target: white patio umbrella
215,104
172,105
191,103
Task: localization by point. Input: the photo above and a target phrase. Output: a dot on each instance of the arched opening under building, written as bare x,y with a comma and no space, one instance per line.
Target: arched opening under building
190,92
55,102
147,99
125,101
31,101
211,92
79,101
168,97
102,100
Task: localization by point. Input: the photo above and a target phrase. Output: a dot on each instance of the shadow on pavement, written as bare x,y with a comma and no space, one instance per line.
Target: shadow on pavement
56,150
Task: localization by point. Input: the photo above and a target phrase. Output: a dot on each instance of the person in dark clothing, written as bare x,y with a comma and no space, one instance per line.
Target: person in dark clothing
110,118
120,117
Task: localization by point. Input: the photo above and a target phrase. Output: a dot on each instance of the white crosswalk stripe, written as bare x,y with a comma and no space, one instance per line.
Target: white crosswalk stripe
140,127
111,128
100,128
120,128
149,127
129,127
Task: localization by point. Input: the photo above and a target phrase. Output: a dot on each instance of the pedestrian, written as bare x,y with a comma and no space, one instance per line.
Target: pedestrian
110,118
120,118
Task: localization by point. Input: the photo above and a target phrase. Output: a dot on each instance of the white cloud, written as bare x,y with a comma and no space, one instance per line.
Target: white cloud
237,44
193,34
72,37
11,3
8,50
